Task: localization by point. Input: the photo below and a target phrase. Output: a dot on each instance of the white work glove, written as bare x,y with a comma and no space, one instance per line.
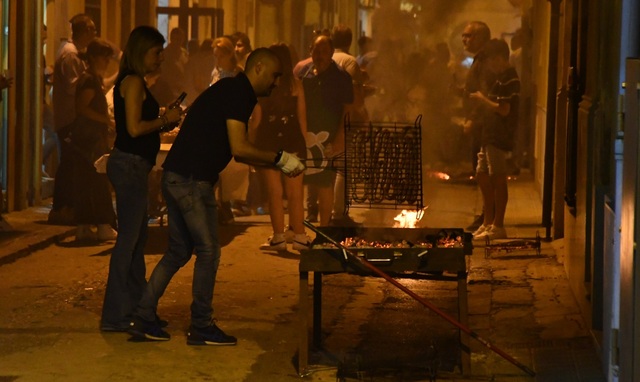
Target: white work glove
290,164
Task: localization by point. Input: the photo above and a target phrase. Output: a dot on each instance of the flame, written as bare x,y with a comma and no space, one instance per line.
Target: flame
407,219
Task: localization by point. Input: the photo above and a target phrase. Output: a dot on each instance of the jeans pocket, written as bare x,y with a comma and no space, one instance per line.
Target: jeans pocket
179,190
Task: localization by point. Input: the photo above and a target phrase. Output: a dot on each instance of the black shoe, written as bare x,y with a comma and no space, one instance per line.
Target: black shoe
476,223
147,330
211,335
161,323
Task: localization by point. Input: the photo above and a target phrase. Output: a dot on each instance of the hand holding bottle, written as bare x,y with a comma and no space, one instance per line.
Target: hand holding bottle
173,114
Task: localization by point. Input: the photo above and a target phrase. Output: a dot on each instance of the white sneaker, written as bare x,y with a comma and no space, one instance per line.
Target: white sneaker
497,233
84,233
277,242
106,233
289,234
482,229
301,242
492,233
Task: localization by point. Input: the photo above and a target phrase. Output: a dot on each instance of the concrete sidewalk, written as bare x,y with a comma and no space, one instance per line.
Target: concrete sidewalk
29,232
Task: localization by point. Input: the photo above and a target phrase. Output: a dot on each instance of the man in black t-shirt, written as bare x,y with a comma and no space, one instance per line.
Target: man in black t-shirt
214,131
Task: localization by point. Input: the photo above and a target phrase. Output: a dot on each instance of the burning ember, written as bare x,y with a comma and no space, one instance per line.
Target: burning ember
445,241
439,175
408,219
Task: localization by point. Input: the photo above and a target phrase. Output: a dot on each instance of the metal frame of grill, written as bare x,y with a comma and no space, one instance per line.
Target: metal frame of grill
383,164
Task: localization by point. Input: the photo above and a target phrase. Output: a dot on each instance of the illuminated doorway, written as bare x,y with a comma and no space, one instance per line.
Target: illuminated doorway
198,22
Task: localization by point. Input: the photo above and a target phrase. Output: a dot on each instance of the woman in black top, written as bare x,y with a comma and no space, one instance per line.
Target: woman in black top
138,126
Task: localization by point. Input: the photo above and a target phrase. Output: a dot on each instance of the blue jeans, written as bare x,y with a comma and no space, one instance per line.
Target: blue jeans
128,174
193,226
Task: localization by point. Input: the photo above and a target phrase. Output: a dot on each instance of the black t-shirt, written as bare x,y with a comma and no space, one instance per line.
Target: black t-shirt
500,130
202,149
479,79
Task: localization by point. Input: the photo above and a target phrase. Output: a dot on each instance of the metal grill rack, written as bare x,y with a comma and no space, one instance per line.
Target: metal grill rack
382,164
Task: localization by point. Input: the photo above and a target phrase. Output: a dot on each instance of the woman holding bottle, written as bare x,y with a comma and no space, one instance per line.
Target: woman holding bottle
138,125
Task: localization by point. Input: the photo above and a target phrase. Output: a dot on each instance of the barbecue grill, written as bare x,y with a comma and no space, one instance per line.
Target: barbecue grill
402,251
419,253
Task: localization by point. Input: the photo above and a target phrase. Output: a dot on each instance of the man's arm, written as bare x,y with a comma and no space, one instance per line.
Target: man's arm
245,152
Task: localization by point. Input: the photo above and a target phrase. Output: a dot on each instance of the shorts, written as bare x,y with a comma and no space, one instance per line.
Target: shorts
324,178
492,160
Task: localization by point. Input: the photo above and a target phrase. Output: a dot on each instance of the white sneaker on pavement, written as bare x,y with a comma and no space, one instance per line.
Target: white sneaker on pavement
497,233
482,229
277,242
301,242
491,233
106,233
289,234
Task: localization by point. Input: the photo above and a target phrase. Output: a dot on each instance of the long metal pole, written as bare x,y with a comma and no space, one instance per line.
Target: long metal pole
435,309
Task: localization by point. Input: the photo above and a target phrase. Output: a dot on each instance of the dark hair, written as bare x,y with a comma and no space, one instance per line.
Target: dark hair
342,36
281,50
496,48
240,36
141,39
176,33
99,48
206,46
79,24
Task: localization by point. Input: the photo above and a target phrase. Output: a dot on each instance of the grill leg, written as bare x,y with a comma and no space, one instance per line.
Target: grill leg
317,310
303,339
463,318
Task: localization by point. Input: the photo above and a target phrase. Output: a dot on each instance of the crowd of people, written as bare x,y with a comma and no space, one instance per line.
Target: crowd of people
256,127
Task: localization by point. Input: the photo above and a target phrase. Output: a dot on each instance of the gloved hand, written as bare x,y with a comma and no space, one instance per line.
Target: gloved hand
290,164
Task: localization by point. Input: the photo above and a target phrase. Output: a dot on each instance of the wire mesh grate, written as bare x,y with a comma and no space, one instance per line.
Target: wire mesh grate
382,164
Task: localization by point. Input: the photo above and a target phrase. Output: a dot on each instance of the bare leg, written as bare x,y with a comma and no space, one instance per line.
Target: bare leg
501,197
325,201
295,204
488,197
271,179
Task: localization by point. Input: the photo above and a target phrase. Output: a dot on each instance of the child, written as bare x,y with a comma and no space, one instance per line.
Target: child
500,109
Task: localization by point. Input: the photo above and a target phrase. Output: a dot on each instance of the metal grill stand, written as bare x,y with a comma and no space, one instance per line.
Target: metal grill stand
425,253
